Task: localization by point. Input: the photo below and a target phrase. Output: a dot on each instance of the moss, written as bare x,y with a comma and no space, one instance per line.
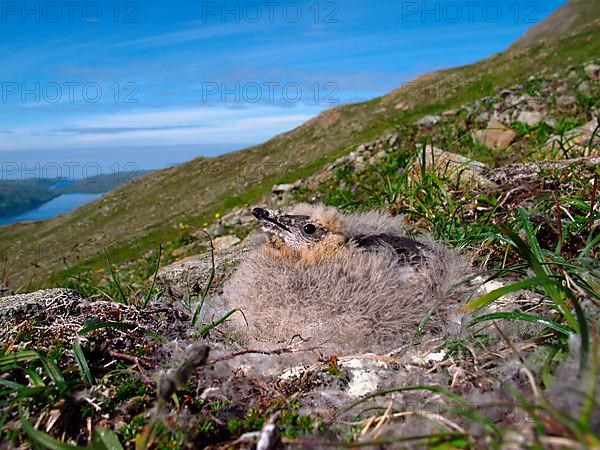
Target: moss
235,427
293,424
129,388
130,430
253,420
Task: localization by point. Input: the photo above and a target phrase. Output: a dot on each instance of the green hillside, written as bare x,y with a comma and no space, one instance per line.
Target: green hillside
135,218
569,19
17,197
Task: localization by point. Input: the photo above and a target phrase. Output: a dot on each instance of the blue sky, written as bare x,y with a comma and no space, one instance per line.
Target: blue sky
212,76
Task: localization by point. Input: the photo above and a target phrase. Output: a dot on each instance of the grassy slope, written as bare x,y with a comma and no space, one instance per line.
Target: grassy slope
574,14
136,217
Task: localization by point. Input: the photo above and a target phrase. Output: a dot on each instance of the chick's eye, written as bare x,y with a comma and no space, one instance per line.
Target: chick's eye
309,228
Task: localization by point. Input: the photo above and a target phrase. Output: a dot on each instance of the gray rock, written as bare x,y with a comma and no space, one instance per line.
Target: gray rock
506,117
580,139
531,118
246,219
592,71
215,230
450,113
520,100
428,121
584,87
181,250
380,154
281,188
238,216
32,304
495,136
566,101
225,242
26,303
483,118
191,275
468,170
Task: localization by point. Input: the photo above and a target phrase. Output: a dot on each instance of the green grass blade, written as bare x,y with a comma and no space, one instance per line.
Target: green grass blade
12,385
532,260
427,316
35,378
569,421
543,272
587,409
215,324
54,373
105,439
151,289
536,250
525,317
121,326
546,372
529,407
42,439
11,360
115,280
2,423
583,330
105,294
591,244
486,299
209,282
84,368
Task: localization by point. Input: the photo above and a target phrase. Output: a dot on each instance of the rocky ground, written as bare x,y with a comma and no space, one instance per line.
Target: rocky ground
127,358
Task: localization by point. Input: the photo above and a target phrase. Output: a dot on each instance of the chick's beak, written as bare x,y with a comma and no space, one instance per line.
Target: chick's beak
272,217
260,214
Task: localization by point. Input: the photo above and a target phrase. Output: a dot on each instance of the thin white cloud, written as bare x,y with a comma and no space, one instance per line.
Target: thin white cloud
234,130
190,35
201,125
155,118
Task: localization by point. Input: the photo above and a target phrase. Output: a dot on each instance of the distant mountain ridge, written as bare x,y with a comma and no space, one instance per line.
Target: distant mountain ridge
573,17
136,217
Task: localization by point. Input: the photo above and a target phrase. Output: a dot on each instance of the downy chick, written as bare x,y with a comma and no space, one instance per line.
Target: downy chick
351,282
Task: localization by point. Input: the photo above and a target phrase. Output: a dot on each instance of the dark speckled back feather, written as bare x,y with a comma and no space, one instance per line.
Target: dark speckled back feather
404,247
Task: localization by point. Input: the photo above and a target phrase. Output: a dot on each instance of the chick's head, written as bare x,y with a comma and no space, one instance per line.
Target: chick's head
299,229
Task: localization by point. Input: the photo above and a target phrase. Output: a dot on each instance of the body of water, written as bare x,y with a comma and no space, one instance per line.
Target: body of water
70,165
59,205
